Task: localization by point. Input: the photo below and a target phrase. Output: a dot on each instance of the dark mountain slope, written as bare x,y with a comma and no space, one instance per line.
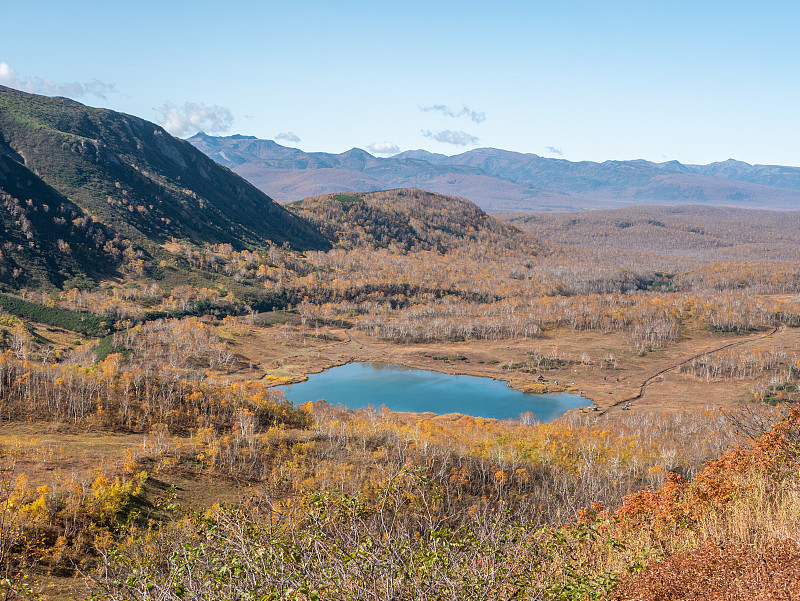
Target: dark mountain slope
46,239
130,174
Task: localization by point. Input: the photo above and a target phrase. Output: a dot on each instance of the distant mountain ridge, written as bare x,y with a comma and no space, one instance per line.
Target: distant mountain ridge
501,180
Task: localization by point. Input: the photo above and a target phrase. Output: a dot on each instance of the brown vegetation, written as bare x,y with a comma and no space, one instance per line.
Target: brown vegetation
726,571
332,501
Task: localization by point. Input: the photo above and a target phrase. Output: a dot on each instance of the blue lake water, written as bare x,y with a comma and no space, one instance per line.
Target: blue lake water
399,388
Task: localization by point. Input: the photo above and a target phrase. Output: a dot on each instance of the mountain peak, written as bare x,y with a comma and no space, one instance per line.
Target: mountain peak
360,152
420,154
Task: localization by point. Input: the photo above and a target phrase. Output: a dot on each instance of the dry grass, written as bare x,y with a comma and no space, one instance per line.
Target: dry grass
51,455
54,458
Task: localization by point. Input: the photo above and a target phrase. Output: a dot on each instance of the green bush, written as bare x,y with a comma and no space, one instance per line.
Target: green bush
82,323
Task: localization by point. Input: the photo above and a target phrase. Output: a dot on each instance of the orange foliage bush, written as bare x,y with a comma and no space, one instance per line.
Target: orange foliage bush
678,503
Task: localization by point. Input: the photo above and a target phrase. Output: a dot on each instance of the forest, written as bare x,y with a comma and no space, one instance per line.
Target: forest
145,453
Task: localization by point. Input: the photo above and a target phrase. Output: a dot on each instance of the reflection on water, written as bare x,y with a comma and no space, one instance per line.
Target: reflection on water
400,388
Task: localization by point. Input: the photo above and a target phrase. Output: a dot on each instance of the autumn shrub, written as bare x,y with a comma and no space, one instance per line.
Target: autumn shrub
396,544
734,572
376,505
546,472
739,515
371,506
59,530
679,507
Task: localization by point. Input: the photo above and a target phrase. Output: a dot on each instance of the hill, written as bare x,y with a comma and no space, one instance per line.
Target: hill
499,180
131,175
408,219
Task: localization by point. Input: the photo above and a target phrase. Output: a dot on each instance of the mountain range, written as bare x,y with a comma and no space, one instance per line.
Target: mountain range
500,180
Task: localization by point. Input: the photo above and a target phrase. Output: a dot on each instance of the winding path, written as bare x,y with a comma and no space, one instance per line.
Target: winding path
657,375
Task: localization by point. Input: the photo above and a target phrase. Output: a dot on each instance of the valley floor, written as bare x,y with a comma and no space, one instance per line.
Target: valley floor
599,366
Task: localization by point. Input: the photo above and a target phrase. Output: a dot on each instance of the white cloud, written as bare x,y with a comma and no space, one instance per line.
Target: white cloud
386,148
7,74
40,85
448,136
474,116
554,150
289,136
194,117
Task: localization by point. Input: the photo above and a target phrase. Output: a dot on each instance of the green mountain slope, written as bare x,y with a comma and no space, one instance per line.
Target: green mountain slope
130,174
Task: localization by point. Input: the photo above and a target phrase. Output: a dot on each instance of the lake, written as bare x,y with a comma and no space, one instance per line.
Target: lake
400,388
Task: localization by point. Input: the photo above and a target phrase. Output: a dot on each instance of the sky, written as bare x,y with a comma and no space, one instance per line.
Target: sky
696,82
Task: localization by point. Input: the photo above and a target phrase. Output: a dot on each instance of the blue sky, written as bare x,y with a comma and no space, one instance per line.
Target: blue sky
692,81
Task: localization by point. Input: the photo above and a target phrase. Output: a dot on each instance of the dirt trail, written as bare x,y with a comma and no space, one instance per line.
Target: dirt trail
654,377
